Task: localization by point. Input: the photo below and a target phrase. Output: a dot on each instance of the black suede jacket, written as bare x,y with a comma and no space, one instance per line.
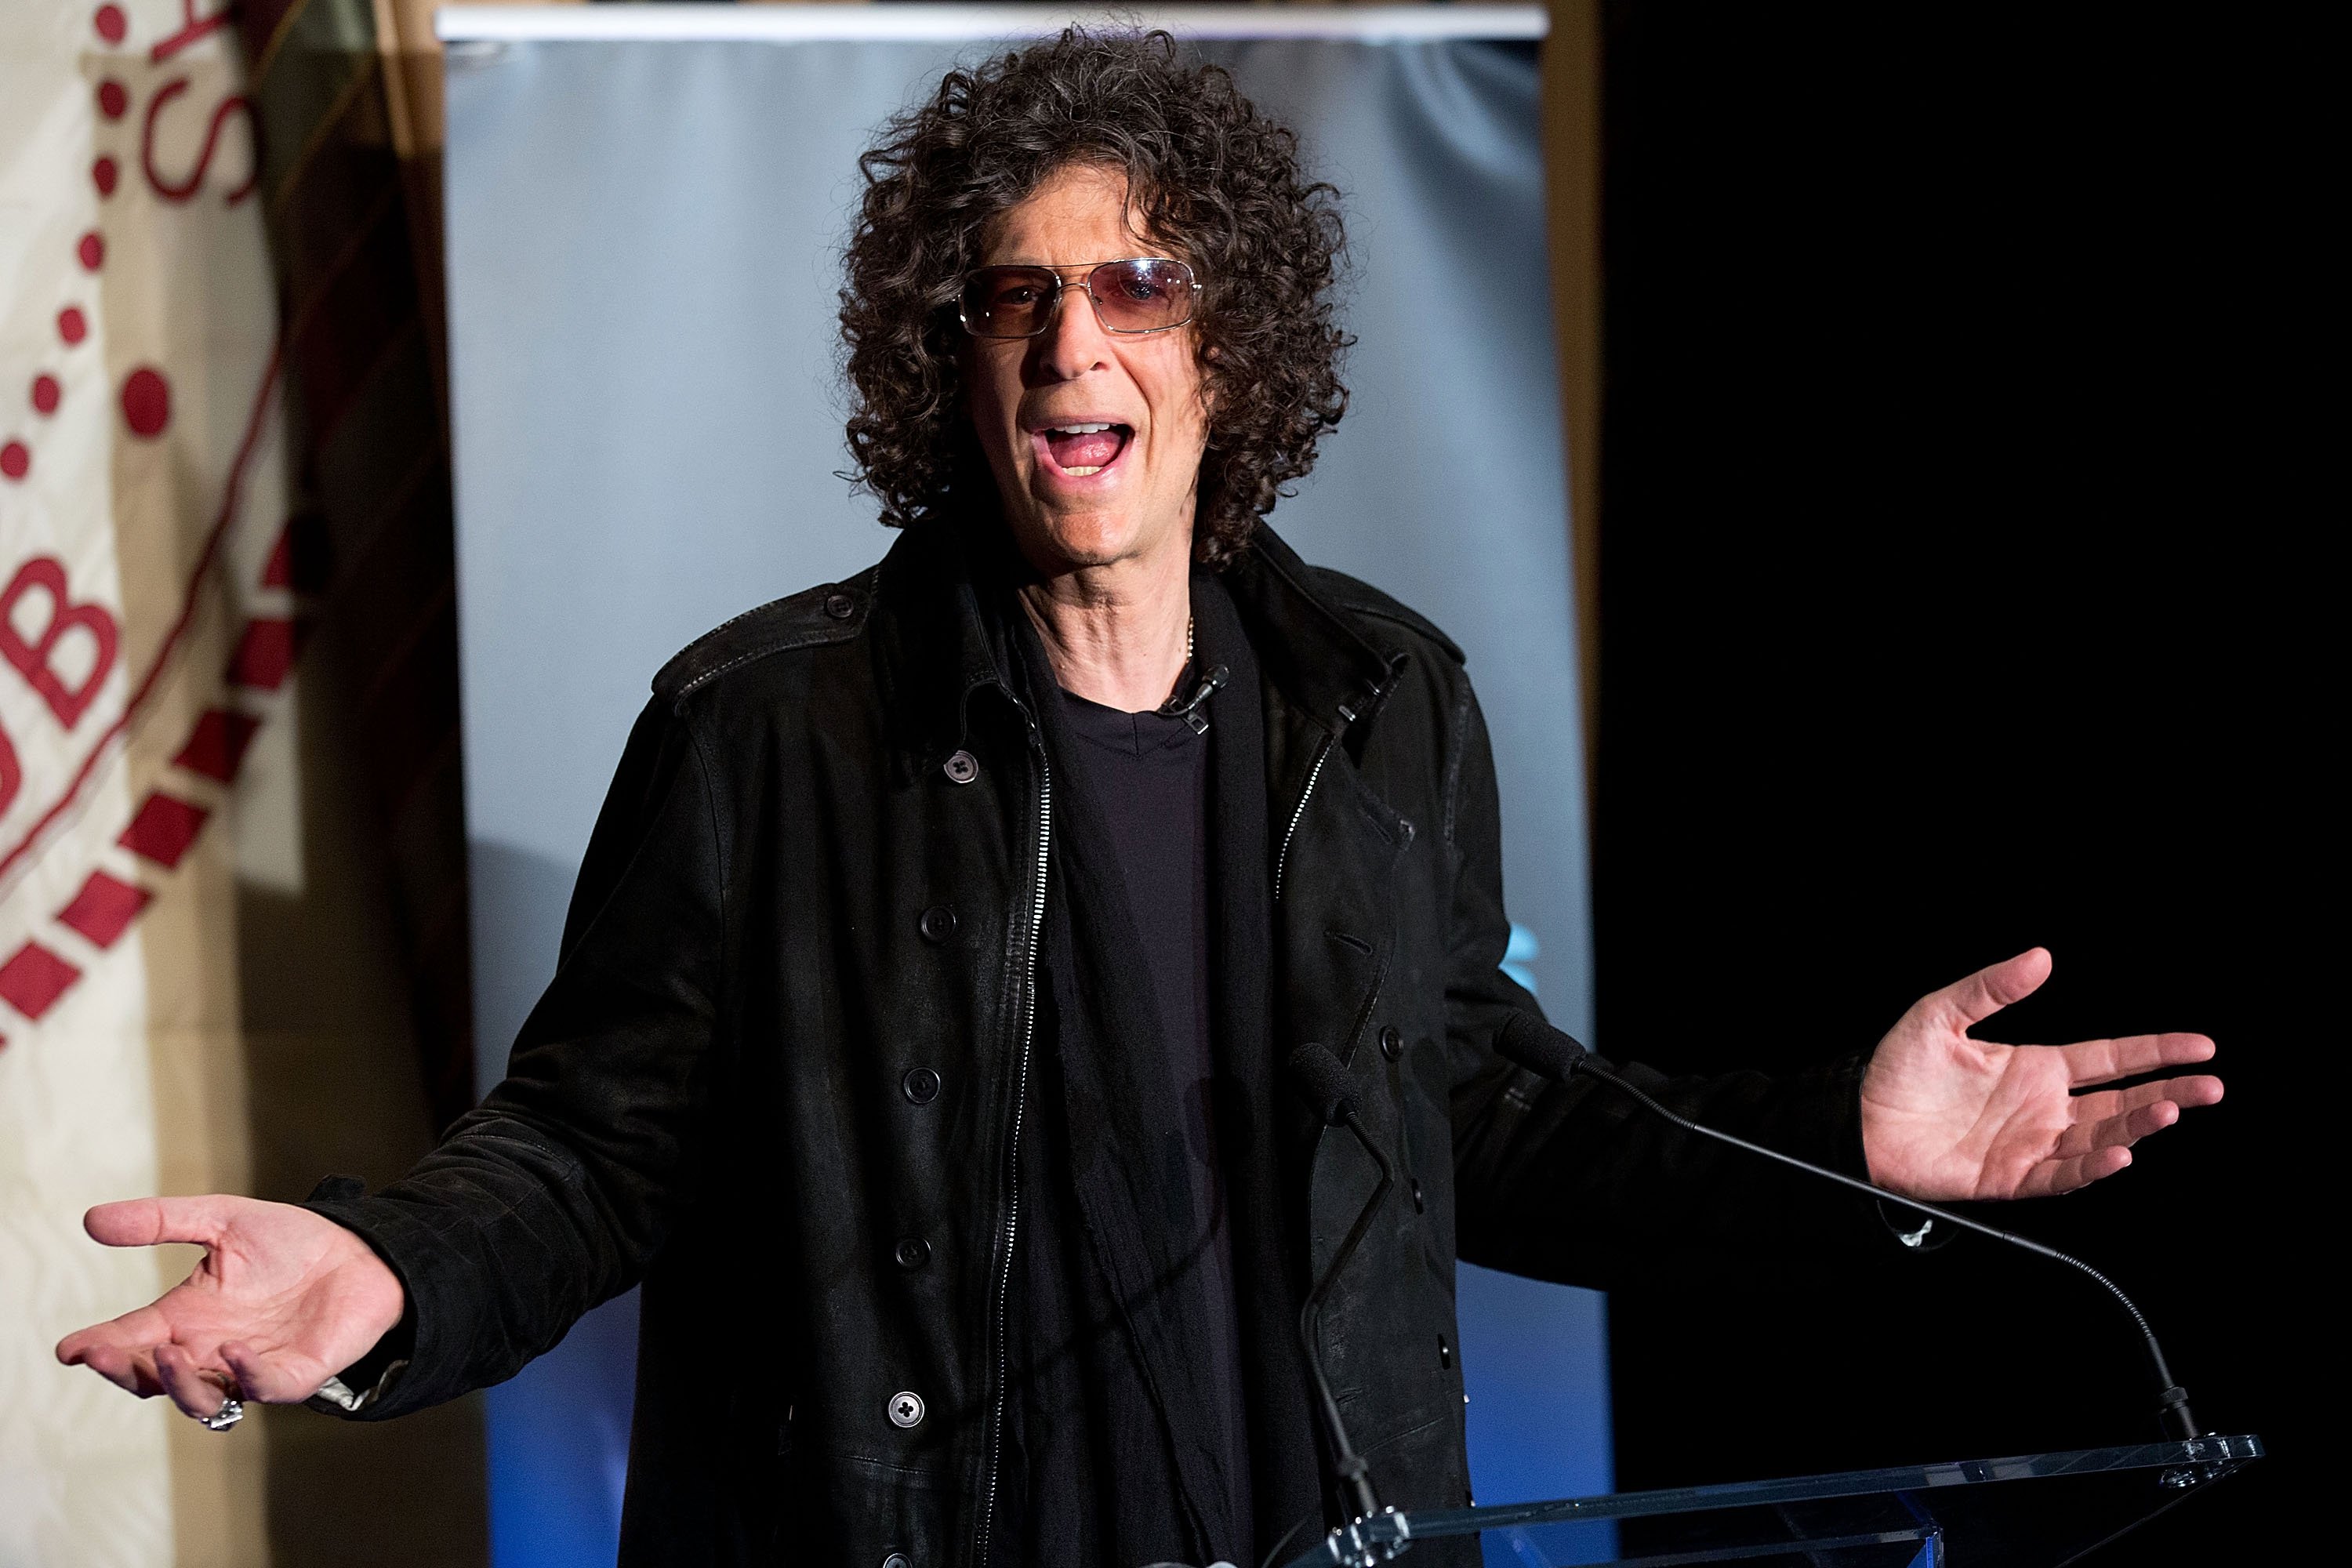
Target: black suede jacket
773,1083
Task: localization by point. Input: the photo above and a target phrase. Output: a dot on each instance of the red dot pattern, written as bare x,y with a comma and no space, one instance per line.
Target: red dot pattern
111,24
146,401
146,397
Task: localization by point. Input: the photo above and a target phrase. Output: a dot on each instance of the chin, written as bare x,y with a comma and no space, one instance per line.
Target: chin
1089,538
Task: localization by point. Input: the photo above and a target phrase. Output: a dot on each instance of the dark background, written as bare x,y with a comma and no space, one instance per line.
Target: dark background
1955,595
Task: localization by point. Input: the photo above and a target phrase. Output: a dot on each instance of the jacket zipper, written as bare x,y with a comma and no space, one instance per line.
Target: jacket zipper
1012,1162
1282,861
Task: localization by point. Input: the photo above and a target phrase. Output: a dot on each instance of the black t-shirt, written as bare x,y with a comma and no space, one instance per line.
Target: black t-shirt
1146,777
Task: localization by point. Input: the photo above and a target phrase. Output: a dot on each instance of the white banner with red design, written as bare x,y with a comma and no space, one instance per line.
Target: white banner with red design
147,640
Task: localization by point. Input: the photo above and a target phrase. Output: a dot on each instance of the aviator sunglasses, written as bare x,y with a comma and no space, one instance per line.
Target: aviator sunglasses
1140,294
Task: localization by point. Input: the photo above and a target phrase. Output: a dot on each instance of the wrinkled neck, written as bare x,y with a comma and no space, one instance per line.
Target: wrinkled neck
1116,635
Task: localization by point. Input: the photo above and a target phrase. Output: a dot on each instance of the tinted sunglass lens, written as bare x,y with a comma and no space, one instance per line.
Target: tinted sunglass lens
1008,301
1144,296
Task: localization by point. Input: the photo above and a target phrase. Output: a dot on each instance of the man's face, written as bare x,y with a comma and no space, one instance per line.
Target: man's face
1026,394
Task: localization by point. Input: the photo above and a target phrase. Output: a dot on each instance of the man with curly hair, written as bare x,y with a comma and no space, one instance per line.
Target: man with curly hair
916,1032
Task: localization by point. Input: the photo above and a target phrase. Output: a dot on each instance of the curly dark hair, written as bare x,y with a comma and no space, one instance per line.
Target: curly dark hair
1214,181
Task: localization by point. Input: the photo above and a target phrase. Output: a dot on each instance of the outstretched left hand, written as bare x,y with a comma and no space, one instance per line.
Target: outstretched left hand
1947,1117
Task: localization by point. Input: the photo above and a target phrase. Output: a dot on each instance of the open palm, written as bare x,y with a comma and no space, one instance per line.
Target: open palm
283,1301
1948,1117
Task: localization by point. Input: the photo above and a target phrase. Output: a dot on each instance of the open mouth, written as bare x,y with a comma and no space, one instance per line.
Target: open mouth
1081,451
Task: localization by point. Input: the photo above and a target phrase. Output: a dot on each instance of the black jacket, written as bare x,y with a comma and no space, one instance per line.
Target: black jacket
773,1081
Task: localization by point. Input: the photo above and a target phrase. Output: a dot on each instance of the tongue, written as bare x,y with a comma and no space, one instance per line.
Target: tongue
1090,451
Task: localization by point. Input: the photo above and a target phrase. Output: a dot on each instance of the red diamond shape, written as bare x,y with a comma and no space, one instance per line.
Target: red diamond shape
263,655
217,744
104,907
33,979
164,828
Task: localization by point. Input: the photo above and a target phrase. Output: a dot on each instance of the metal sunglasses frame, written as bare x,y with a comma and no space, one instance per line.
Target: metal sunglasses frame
1062,287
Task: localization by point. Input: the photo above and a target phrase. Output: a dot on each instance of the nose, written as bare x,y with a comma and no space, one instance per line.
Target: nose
1074,341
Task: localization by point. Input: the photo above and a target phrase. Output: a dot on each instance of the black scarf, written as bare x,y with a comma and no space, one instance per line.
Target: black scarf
1115,1454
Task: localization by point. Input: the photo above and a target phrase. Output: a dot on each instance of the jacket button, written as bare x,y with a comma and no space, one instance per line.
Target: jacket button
839,604
921,1085
896,1560
938,924
1444,1358
1391,1043
1414,1182
912,1252
906,1410
961,767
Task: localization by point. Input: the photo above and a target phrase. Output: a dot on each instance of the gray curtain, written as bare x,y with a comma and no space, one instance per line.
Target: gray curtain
644,241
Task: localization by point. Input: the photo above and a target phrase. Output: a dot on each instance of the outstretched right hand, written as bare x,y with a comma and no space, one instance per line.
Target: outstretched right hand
283,1301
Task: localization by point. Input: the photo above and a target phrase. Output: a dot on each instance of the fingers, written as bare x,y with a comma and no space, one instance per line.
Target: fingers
133,1372
2099,1144
131,1331
1989,989
2185,1092
144,1222
2051,1177
2118,1132
2105,1127
193,1388
268,1373
283,1378
2102,1061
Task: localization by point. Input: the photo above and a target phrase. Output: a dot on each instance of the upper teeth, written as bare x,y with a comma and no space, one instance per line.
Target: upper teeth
1078,429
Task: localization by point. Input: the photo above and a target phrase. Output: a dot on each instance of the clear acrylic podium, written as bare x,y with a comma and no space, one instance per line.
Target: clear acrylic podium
2036,1511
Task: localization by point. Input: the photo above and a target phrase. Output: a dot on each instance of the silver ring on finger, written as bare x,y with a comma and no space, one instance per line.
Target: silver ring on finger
231,1412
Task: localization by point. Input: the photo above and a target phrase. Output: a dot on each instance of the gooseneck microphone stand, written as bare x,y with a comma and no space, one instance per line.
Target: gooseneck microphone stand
1550,1053
1318,1078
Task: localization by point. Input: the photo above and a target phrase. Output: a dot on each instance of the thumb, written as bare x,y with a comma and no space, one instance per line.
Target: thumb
1989,989
146,1222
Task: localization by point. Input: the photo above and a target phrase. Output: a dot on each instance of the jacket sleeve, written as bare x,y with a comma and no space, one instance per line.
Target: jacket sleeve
1574,1182
552,1196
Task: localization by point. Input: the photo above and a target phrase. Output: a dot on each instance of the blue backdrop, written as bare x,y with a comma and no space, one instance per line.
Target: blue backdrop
643,233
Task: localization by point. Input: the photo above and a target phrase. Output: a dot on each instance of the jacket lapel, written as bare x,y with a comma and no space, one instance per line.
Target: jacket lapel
1335,847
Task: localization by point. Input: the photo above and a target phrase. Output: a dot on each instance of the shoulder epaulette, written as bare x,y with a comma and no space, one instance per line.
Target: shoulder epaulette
1361,598
830,613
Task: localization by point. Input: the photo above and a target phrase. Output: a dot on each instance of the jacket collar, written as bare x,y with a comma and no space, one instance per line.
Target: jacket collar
1308,650
942,634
